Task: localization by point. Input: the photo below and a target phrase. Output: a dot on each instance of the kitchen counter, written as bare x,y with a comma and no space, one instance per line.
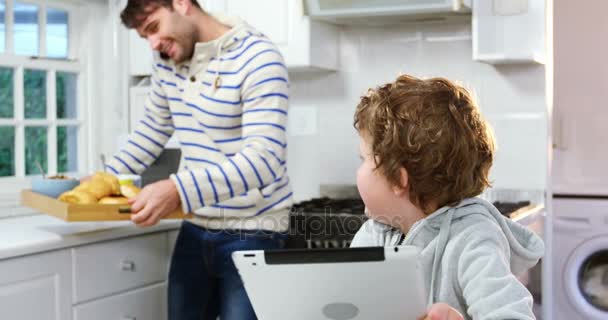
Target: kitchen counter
34,234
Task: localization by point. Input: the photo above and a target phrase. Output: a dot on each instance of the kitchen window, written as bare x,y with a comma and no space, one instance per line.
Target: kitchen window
41,81
45,103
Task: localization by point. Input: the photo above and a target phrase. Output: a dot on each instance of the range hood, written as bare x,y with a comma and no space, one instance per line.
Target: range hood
387,11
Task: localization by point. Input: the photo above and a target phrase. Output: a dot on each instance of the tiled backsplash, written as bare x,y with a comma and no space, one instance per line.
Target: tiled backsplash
512,98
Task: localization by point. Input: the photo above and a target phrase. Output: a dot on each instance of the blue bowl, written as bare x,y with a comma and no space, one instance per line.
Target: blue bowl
53,187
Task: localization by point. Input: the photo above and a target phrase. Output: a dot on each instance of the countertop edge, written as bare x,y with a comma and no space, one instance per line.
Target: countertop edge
30,235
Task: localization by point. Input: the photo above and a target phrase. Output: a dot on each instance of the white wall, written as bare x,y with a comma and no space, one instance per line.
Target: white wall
512,98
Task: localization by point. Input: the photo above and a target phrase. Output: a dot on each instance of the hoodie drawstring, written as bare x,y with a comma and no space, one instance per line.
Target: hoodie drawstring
442,241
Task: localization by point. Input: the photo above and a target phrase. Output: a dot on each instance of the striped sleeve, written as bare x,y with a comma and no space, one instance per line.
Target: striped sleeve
148,139
261,161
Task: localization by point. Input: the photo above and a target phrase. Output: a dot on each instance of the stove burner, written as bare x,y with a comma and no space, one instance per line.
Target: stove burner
330,206
332,223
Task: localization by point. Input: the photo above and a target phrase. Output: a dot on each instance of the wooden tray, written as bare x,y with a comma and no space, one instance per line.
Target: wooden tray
83,212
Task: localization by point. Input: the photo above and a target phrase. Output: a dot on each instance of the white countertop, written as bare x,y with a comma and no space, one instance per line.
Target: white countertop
33,234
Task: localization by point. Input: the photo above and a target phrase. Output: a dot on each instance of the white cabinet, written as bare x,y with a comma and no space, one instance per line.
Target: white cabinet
580,92
140,55
172,237
121,279
110,267
146,304
509,31
305,44
137,101
36,287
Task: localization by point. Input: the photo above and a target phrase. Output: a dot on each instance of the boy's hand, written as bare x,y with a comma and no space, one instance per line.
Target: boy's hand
442,311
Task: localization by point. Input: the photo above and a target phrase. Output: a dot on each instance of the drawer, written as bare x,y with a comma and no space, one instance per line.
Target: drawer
147,303
172,235
106,268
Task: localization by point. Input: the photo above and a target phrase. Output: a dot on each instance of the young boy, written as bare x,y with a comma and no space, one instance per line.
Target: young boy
426,153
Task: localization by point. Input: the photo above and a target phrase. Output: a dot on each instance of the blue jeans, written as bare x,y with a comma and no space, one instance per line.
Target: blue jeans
203,281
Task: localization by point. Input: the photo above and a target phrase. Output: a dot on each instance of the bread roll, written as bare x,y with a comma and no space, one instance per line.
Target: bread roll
112,180
129,190
114,200
96,186
78,197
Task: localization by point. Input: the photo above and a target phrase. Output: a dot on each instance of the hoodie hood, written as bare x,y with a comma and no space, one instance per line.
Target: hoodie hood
525,246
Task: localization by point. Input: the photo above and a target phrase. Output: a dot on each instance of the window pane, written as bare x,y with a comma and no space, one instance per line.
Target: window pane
2,25
66,95
26,29
35,149
6,93
56,33
34,85
67,152
7,151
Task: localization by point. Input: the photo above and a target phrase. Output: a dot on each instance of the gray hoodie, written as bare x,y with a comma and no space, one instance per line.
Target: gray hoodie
472,254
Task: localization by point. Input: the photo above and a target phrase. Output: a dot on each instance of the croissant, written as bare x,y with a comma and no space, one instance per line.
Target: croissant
78,197
110,179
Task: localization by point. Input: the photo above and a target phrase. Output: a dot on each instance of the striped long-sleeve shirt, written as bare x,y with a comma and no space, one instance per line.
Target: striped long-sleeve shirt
228,108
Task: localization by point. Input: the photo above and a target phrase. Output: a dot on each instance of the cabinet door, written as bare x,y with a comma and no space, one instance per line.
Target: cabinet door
140,55
271,17
106,268
149,303
137,101
36,287
580,95
305,44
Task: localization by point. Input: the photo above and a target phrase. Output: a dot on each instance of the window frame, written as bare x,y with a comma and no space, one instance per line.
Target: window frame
73,63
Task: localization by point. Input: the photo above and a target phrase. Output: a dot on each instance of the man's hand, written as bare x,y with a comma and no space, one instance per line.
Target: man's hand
154,202
442,311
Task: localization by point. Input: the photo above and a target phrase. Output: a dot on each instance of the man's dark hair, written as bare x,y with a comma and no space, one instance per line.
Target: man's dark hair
136,11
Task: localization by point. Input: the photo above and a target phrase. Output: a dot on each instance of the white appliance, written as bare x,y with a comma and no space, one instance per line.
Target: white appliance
580,264
384,11
578,234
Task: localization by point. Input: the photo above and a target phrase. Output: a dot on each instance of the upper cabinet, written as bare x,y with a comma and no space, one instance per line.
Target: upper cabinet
509,31
304,43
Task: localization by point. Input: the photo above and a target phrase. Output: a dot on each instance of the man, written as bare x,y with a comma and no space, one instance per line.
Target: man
221,87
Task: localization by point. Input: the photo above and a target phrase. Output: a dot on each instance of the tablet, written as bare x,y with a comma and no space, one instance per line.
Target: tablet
340,284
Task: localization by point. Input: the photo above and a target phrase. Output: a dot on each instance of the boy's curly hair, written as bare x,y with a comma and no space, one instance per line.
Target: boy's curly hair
136,11
433,129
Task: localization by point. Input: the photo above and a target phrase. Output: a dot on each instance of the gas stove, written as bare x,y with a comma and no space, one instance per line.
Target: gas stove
332,223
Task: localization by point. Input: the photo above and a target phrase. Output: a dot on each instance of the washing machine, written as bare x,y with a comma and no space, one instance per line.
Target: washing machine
580,258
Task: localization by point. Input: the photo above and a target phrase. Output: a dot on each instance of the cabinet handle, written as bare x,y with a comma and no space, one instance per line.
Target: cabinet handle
558,137
128,265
